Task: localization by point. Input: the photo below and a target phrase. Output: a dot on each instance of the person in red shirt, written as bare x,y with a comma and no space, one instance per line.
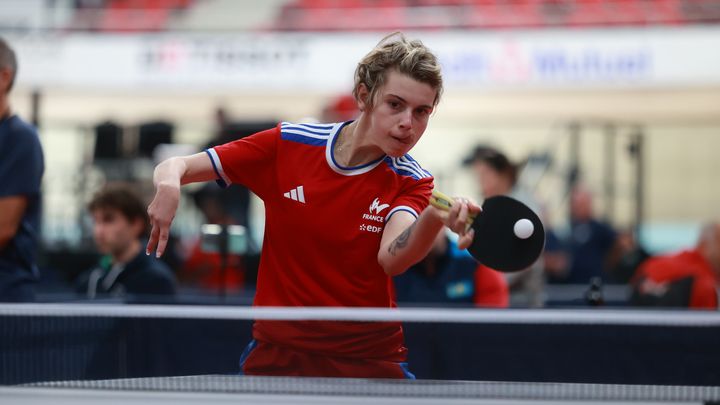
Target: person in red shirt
346,208
491,288
207,270
686,279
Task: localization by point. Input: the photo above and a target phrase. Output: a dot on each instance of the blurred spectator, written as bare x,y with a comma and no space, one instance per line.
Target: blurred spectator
120,220
21,170
630,254
340,109
451,276
688,279
230,206
222,121
555,258
205,269
590,243
497,175
235,200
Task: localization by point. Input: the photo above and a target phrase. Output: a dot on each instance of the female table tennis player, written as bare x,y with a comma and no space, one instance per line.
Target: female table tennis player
346,208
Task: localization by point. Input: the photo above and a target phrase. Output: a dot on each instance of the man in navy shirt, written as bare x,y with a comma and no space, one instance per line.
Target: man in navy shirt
591,242
21,170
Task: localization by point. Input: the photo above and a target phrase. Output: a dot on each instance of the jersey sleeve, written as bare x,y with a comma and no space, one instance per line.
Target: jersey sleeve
249,161
21,166
413,198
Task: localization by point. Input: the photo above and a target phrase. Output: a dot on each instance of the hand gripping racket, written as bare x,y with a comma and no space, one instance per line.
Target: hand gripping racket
509,236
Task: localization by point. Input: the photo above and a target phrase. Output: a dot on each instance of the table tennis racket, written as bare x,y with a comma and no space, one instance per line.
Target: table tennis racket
509,236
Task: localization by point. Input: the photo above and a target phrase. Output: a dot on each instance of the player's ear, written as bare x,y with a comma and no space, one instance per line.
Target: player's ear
363,97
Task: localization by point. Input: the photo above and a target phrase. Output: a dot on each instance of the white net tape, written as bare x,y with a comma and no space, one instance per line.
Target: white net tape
425,315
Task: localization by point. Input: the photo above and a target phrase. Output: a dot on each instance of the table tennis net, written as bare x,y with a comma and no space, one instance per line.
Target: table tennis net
455,353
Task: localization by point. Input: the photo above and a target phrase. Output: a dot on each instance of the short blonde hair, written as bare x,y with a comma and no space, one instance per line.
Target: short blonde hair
409,57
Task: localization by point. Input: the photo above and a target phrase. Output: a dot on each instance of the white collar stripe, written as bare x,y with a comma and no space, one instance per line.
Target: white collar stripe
345,171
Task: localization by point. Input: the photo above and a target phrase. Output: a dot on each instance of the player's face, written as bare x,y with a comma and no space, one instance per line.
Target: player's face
400,114
112,231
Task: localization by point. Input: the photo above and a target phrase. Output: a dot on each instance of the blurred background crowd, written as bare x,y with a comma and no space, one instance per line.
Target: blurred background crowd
602,115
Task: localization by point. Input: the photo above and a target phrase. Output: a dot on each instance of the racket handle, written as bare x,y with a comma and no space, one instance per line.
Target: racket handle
444,202
441,201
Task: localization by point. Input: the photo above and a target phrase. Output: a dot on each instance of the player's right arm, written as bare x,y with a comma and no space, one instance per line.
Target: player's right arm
168,177
249,161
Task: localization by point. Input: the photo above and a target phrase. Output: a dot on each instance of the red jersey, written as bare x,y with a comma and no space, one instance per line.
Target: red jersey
664,277
323,228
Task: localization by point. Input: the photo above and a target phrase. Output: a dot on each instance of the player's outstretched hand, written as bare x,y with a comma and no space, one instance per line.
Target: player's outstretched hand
459,218
161,212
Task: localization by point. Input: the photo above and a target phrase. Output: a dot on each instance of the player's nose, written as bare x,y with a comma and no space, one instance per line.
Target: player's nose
406,120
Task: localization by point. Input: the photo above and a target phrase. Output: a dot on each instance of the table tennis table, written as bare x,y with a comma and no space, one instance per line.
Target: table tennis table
222,389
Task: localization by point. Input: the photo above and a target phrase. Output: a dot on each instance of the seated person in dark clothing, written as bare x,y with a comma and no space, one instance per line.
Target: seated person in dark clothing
630,254
120,220
448,275
590,245
688,279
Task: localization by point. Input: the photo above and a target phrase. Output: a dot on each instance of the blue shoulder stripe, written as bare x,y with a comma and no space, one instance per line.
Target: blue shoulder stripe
317,136
307,129
400,162
405,169
316,126
409,159
303,139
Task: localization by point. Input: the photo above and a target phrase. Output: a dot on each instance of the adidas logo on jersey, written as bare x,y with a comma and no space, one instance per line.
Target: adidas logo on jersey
296,194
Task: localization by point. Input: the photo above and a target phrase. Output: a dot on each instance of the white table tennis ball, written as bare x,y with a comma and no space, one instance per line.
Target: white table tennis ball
523,228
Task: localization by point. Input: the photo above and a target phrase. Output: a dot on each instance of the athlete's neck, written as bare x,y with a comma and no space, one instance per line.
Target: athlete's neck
352,147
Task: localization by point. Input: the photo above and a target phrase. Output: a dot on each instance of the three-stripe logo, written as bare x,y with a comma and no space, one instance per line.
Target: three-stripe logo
296,194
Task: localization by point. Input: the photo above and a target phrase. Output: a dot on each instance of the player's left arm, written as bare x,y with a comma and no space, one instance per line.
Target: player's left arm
407,240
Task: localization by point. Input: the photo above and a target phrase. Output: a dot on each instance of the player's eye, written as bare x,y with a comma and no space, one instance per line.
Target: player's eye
422,112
